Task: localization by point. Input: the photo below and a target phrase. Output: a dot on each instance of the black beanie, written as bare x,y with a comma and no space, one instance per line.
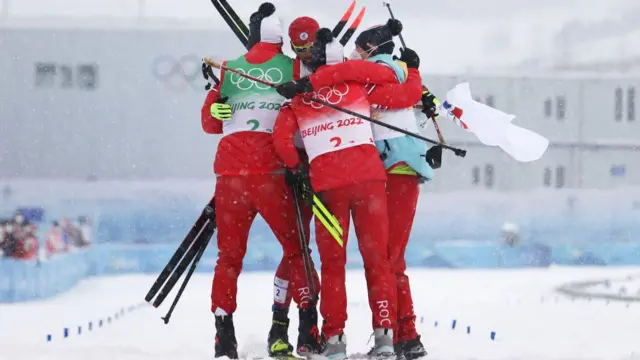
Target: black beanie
381,34
265,10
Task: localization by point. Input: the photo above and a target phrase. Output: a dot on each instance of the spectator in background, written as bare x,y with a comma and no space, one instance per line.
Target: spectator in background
54,242
27,245
86,231
9,240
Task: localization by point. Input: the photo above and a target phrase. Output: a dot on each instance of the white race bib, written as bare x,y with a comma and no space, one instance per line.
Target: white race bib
335,133
404,119
253,115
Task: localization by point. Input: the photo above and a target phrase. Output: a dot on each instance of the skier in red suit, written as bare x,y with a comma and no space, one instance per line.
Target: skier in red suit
346,170
250,181
404,157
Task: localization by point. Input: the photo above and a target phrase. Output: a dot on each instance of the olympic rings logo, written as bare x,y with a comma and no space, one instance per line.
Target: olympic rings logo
332,95
272,75
178,74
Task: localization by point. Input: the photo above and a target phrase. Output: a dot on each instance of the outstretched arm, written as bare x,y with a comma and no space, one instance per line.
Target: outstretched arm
364,72
397,96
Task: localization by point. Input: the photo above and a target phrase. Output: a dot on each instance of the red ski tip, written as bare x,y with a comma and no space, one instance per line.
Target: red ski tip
347,14
343,21
352,29
358,20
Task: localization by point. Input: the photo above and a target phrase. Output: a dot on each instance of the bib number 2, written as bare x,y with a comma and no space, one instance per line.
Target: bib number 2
255,124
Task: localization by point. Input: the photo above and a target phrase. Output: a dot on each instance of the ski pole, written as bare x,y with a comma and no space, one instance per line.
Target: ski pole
167,317
456,151
188,257
179,254
304,245
404,45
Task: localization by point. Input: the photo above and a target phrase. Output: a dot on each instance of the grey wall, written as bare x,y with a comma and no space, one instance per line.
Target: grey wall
138,124
133,124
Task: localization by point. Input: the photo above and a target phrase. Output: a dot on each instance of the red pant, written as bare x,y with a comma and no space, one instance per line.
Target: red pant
238,200
368,205
402,199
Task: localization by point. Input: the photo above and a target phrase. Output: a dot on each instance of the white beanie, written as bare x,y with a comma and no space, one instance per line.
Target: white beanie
334,52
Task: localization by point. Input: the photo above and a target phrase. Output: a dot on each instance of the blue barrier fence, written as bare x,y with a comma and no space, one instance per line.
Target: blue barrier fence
30,280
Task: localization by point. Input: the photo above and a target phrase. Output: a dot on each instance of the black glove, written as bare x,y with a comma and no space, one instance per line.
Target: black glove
298,179
429,103
409,57
292,88
434,157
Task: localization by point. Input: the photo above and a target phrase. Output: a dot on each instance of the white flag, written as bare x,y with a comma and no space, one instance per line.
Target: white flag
494,128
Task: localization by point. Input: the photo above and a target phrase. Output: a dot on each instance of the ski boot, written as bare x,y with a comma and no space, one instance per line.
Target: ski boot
397,348
383,348
278,340
335,348
309,340
226,344
413,349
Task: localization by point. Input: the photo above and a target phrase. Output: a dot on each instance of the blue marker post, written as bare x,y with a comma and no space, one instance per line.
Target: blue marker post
468,329
49,338
66,332
79,330
453,324
493,335
90,326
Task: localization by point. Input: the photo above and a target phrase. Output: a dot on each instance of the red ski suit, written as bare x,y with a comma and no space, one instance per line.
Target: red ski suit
351,180
250,181
402,190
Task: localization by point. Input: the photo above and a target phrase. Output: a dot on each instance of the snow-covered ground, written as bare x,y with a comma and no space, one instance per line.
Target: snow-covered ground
530,319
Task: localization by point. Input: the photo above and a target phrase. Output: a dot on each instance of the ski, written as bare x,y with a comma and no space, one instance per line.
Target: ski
178,255
234,15
352,29
240,30
343,21
210,229
203,237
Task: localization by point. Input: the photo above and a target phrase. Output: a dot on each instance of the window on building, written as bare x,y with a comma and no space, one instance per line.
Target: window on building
45,74
488,176
548,108
618,104
561,107
87,76
546,180
490,101
560,177
475,175
631,104
66,80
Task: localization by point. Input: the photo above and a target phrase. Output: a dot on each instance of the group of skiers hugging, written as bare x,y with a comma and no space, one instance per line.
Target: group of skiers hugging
275,138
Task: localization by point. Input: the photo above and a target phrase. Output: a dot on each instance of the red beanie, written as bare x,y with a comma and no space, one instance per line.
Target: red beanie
302,31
